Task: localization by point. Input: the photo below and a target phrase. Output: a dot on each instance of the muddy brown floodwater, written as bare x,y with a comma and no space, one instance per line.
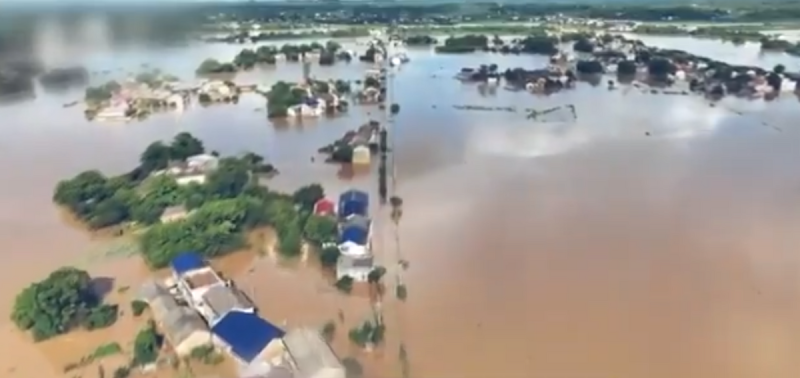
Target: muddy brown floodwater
536,250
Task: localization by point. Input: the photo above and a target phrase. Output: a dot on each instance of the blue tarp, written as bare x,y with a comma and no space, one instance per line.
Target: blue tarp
187,262
246,333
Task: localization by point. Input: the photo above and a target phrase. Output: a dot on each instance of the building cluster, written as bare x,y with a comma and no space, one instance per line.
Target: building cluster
315,104
194,169
355,233
197,308
134,98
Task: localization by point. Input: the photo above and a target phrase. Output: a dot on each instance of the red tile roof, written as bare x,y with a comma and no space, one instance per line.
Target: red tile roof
324,207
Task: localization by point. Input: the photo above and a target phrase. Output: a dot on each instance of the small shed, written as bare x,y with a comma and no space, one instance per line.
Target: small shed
361,155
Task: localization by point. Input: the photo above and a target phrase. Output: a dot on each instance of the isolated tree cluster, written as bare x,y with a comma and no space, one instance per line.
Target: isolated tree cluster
63,301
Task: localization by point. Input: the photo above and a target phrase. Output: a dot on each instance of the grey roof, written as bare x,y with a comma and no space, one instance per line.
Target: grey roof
176,321
356,220
311,354
151,290
223,299
347,262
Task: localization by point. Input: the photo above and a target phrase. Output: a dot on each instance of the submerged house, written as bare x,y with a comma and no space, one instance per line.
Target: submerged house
309,356
182,327
248,338
204,290
194,170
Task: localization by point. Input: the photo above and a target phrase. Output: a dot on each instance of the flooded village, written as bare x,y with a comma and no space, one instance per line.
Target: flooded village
371,206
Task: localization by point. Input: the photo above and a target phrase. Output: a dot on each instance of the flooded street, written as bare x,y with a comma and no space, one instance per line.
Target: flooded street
561,249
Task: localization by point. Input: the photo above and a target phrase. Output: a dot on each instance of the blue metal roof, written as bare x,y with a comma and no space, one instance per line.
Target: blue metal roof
349,207
354,234
187,262
354,195
353,202
246,333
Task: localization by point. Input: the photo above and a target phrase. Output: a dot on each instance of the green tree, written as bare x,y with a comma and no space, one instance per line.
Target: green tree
146,345
290,241
213,230
307,196
329,256
56,304
185,145
376,274
138,307
102,316
319,229
345,284
229,179
155,157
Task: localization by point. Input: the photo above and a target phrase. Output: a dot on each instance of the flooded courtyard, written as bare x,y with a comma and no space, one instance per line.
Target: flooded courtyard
652,237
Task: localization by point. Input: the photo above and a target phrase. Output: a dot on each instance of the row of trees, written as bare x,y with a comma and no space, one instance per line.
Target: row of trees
283,96
249,58
228,204
100,201
63,301
464,44
232,204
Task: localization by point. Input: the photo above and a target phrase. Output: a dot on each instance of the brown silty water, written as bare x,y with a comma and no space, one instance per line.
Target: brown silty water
565,249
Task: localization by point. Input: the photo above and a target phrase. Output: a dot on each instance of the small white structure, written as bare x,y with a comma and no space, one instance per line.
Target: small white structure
361,155
118,112
356,267
194,170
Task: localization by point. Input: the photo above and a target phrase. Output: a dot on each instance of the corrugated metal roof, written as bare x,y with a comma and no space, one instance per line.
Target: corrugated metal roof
246,333
311,354
355,234
186,262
